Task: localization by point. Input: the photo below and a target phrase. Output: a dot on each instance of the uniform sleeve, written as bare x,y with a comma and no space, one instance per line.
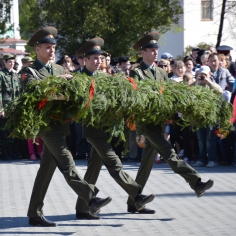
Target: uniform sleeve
164,75
60,70
134,74
26,77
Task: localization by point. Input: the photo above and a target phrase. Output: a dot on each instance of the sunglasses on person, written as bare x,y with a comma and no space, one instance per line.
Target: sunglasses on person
162,66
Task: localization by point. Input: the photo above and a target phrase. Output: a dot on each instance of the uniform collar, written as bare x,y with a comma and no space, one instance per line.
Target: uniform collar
149,66
7,71
88,72
43,64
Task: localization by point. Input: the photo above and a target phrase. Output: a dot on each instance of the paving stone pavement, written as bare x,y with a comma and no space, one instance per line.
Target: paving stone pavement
178,210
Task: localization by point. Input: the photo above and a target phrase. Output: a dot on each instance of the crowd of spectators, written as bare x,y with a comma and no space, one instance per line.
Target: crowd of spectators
210,68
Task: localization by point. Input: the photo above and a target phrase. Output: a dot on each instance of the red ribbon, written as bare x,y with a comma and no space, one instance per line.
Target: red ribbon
133,82
91,93
42,104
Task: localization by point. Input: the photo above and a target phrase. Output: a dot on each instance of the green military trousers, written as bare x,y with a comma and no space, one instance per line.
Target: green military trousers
102,153
156,143
57,154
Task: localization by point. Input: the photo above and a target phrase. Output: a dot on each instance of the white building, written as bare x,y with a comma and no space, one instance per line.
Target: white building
200,22
13,43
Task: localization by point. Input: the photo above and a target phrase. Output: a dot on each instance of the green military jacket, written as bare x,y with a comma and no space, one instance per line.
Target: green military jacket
90,131
42,73
143,72
10,87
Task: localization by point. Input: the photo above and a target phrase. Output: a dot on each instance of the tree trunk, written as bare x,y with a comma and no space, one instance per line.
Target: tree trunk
222,15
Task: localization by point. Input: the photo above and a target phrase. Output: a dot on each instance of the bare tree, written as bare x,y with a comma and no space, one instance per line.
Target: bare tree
222,17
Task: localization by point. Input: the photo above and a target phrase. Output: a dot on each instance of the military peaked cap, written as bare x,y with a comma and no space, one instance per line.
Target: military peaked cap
44,35
91,47
148,41
224,49
27,59
8,56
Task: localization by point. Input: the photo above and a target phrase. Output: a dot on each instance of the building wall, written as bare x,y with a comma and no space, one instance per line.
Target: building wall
172,42
15,32
15,19
196,30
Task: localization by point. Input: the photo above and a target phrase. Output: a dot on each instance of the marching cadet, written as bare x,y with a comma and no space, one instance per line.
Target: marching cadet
155,142
102,152
56,152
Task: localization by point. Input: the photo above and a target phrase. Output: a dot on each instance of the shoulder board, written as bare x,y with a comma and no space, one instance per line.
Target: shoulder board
139,72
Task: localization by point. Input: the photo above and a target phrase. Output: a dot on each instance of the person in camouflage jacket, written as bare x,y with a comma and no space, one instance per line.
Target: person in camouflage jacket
10,88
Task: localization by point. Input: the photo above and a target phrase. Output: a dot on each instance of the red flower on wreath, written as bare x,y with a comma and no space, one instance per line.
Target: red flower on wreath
216,132
42,104
133,82
221,133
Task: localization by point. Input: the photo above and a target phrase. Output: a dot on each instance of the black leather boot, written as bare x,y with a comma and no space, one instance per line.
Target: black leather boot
96,203
141,200
201,187
41,221
87,215
132,209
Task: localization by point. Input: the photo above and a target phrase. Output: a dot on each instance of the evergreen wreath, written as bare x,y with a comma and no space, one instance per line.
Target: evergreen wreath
104,101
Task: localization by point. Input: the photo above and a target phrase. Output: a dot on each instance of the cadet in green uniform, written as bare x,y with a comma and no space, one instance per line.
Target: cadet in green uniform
22,144
9,89
56,152
155,141
26,61
102,152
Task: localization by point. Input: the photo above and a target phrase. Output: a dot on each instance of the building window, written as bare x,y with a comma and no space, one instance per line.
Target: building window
207,9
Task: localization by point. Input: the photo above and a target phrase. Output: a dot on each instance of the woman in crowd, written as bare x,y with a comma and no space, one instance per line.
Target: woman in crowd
224,63
126,69
189,63
165,65
67,64
103,65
